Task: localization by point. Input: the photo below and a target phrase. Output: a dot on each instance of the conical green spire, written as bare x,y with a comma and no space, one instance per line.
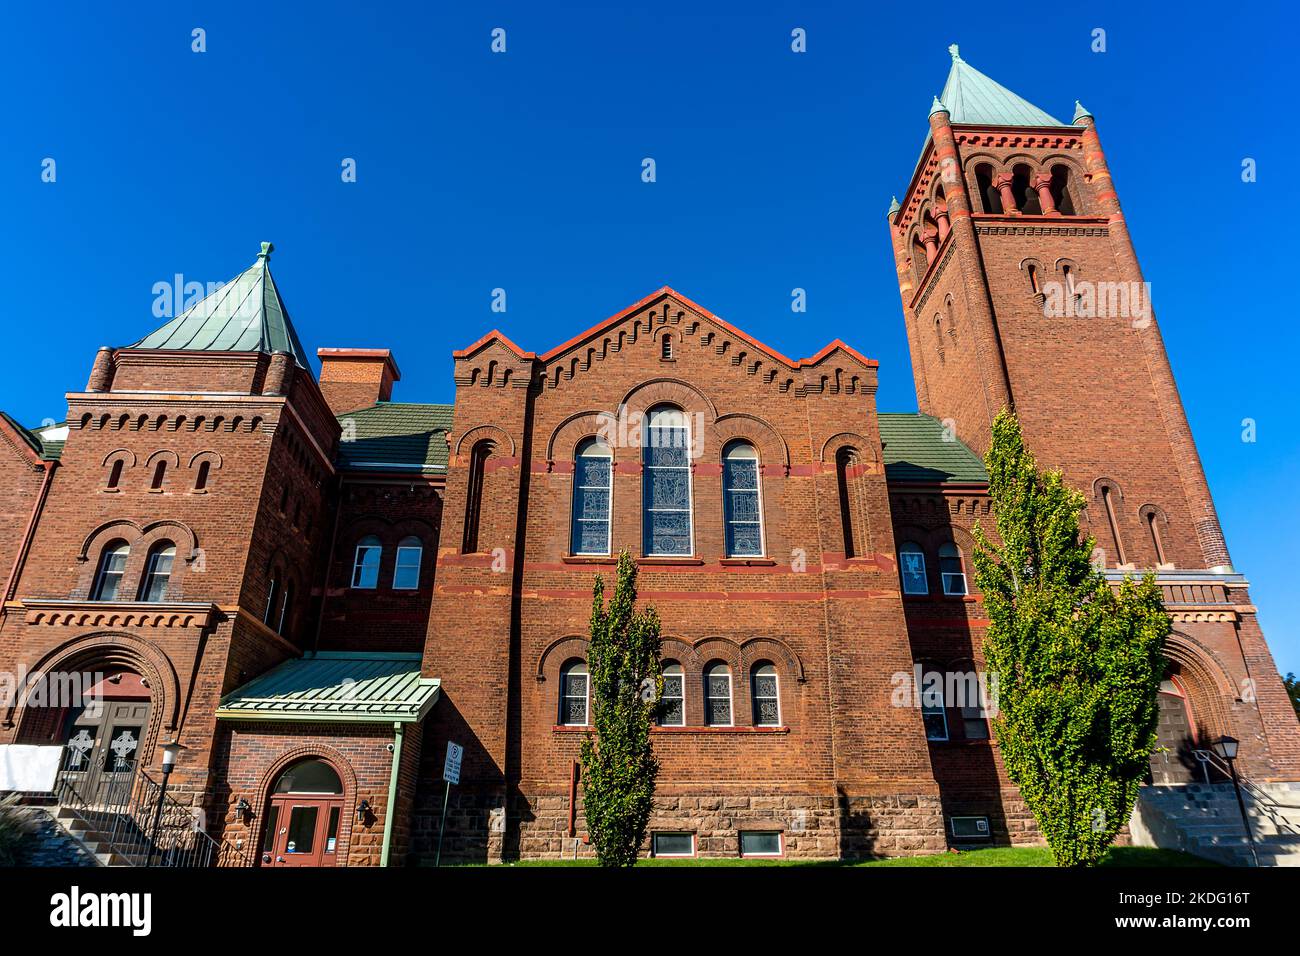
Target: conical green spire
244,315
1081,112
973,98
893,207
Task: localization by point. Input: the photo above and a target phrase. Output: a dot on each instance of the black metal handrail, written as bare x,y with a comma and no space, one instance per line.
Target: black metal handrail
141,823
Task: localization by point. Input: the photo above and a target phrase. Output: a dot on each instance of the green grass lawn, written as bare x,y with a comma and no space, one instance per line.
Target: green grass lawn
1126,856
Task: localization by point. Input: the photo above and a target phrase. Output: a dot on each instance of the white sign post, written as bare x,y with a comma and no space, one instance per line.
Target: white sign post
450,774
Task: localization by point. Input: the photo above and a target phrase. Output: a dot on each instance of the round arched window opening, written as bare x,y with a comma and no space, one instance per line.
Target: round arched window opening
309,776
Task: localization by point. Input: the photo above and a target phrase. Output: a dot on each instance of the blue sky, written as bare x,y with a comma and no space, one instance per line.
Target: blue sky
522,171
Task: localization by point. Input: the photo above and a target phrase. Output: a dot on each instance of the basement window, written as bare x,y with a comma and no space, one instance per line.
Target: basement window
672,844
969,828
760,843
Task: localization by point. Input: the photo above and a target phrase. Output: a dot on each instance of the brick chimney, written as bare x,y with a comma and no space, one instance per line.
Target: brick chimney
356,378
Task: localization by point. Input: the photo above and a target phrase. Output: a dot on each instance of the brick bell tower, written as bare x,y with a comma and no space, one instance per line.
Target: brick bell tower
1021,289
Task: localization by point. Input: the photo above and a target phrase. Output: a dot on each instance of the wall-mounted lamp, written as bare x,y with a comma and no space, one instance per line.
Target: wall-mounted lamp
363,810
243,809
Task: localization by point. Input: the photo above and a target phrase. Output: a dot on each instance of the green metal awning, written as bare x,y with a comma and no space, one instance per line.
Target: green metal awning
336,687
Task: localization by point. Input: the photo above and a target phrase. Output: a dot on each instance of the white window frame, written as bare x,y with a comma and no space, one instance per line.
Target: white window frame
680,674
357,562
102,572
574,520
419,562
151,572
941,710
755,698
726,517
272,592
952,575
780,844
668,856
285,597
576,667
709,698
902,578
690,484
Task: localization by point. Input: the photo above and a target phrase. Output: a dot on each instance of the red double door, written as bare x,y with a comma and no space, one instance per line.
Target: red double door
302,831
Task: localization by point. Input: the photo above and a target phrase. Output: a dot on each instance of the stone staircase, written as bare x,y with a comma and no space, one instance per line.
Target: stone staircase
95,832
1204,819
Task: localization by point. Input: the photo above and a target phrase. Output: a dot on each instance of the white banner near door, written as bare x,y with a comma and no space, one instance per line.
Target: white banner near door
29,767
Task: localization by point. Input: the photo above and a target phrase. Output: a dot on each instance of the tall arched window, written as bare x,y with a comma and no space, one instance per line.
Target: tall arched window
406,573
1157,544
108,576
474,496
911,568
742,501
201,479
593,490
766,695
286,608
717,695
672,703
1061,189
115,474
159,474
666,483
574,694
951,570
365,565
157,571
845,460
1112,518
272,595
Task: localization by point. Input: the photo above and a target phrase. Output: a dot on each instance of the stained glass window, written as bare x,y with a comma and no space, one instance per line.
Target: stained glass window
666,483
742,501
911,564
573,695
593,473
767,700
717,695
672,704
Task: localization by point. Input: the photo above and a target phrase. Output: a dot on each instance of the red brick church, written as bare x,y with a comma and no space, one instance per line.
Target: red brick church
310,588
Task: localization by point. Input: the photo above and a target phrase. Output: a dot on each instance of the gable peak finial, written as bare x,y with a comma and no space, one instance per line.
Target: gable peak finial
938,107
267,249
956,53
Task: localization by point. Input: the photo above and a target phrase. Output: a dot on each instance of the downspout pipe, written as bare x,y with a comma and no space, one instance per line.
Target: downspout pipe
12,584
390,812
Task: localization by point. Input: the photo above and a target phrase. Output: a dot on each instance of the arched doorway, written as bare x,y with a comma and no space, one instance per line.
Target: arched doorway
304,814
102,727
1174,761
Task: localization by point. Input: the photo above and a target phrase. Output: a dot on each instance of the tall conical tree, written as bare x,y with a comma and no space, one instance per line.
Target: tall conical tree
1078,662
618,766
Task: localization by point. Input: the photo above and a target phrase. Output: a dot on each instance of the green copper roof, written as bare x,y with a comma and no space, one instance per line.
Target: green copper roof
971,97
916,448
393,436
244,315
338,687
48,448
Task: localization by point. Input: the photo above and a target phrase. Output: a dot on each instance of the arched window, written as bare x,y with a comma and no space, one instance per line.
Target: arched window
115,474
406,575
1112,518
159,474
574,694
286,608
272,593
666,348
990,199
309,776
157,571
108,576
845,460
742,501
933,713
911,567
951,570
1157,544
593,490
474,496
1061,190
717,695
672,704
1025,195
666,483
766,695
365,565
201,478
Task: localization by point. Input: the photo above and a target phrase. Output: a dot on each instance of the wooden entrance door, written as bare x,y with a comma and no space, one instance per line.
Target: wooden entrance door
302,831
102,748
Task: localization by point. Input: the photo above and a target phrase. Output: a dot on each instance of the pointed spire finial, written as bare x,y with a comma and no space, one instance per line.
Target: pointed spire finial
956,53
267,249
893,207
1081,112
938,107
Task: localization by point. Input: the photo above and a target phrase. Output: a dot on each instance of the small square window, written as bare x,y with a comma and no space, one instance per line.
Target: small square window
760,843
672,844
